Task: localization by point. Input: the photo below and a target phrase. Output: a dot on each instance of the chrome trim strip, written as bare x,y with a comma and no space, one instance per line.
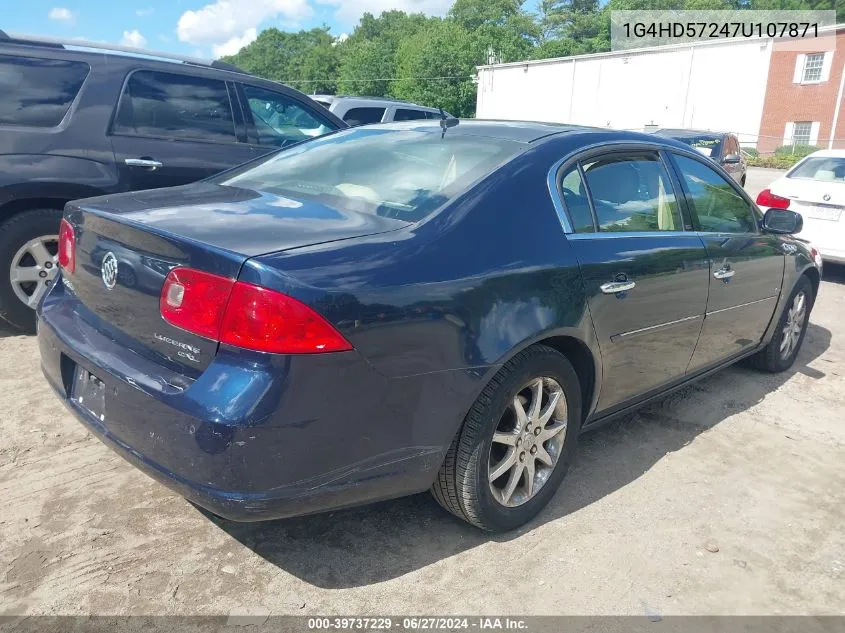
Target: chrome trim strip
741,305
655,327
629,234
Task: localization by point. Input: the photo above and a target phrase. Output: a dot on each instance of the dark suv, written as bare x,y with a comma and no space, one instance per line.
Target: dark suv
721,147
80,120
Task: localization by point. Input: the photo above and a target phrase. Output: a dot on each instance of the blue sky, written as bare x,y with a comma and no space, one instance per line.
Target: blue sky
206,28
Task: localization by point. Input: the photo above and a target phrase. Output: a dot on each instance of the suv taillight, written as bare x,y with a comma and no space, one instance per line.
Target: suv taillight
767,199
67,246
244,315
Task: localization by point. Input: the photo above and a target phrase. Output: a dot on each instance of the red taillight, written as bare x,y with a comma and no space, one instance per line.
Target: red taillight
67,246
767,199
245,315
195,301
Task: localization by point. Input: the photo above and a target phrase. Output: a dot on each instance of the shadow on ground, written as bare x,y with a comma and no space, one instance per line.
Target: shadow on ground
371,544
834,273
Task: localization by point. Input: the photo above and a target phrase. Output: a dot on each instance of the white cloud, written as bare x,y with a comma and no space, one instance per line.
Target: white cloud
349,11
133,38
60,14
232,46
227,20
143,13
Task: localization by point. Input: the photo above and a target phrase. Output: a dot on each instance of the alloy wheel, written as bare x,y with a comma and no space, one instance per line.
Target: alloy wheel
34,269
795,318
527,442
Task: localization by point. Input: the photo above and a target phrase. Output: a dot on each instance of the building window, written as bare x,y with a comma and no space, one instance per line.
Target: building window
801,132
813,65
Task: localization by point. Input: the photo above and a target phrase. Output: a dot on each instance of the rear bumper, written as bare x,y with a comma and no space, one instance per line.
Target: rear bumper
256,436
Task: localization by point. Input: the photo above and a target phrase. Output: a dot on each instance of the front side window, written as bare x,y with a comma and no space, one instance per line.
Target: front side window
38,92
175,106
279,120
719,207
400,174
406,114
813,67
632,193
801,132
363,116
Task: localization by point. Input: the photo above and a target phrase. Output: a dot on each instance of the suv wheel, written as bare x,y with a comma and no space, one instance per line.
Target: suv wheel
28,264
516,443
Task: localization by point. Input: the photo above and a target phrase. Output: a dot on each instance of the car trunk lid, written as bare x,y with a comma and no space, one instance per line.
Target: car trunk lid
127,244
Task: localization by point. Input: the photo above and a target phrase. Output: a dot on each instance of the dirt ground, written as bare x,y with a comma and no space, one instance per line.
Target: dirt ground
727,498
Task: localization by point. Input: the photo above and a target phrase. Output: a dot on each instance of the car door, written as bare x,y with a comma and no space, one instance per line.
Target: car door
172,128
646,276
746,265
275,119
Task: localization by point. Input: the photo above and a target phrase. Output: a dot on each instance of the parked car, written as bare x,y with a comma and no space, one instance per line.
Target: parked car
815,189
721,147
365,110
80,119
412,306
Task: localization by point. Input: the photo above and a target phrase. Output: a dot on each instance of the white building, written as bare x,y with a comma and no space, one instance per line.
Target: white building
718,85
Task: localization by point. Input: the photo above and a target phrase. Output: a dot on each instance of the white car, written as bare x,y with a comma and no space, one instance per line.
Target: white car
814,188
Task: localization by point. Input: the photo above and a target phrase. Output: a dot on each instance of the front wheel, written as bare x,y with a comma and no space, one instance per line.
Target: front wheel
781,351
516,443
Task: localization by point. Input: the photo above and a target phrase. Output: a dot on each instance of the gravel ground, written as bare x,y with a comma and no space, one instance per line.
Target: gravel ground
726,498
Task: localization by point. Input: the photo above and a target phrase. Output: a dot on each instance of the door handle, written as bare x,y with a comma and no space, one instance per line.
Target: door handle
615,287
150,164
724,273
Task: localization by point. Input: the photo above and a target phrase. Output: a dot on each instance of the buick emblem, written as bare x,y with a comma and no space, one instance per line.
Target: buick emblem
109,270
826,197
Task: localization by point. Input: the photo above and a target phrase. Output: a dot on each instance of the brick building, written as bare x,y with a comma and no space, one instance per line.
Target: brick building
804,95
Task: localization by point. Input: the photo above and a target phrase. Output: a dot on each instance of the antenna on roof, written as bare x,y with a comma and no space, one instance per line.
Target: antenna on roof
446,122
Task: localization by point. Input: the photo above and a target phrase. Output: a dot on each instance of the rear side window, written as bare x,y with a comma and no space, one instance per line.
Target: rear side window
175,106
632,193
38,92
363,116
575,199
720,209
405,114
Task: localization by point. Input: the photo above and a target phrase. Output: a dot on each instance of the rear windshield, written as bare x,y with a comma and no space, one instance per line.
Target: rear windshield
710,146
401,174
827,168
38,92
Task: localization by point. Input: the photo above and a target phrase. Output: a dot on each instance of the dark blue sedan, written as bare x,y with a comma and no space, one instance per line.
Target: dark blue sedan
404,307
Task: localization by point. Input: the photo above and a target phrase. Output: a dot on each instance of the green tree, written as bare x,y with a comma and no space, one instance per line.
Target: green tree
364,66
437,67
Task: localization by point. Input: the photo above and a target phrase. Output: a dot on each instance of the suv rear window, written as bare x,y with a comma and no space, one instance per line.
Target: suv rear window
175,106
38,92
399,174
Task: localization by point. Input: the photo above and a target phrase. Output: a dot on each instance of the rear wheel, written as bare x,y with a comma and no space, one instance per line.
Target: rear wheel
28,264
742,181
516,443
781,351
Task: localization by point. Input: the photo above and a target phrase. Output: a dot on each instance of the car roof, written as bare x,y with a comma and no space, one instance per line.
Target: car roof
828,153
363,100
521,131
678,133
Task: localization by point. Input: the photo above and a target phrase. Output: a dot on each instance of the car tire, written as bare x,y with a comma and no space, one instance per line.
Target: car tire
780,353
463,485
15,233
742,181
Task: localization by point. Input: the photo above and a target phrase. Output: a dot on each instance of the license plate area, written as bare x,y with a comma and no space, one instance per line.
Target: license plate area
823,213
89,393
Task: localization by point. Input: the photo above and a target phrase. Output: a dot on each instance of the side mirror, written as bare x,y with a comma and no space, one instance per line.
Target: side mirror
731,159
783,222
